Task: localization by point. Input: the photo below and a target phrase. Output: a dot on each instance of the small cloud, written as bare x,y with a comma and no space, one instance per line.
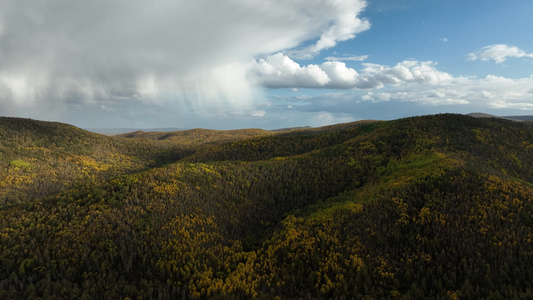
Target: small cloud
377,97
264,104
108,109
323,118
258,113
348,58
471,56
444,39
499,53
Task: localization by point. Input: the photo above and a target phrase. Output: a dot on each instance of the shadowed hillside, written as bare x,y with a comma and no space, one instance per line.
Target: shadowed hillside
41,158
199,136
435,207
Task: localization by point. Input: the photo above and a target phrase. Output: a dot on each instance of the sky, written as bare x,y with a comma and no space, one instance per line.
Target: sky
262,63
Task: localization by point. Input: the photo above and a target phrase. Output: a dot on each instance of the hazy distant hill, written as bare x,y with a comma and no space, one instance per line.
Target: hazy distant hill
522,118
116,131
292,128
199,136
513,118
433,207
122,131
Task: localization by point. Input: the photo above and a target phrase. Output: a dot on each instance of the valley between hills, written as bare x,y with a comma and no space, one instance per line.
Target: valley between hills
430,207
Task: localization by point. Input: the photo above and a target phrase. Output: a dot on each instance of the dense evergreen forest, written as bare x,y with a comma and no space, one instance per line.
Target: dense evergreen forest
436,207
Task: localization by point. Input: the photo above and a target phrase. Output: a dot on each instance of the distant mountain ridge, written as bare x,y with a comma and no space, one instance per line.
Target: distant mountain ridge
122,131
117,131
198,136
513,118
522,118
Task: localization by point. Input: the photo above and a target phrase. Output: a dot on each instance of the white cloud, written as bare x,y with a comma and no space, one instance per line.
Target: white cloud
407,71
347,58
491,94
377,97
471,56
258,113
498,53
340,76
491,91
344,26
108,109
56,53
324,118
279,71
438,97
422,87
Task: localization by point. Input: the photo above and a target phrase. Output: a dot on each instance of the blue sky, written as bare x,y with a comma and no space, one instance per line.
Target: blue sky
417,30
264,64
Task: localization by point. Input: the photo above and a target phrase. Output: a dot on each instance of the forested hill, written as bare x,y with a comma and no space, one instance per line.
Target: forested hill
433,207
199,136
40,158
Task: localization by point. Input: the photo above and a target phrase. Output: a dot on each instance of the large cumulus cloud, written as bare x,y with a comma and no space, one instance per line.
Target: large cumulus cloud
280,71
71,52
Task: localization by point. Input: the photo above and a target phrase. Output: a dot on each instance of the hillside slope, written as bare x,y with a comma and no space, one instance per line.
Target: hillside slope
39,158
199,136
436,207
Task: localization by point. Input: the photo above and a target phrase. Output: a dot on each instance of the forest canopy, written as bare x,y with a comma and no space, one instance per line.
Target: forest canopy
436,207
